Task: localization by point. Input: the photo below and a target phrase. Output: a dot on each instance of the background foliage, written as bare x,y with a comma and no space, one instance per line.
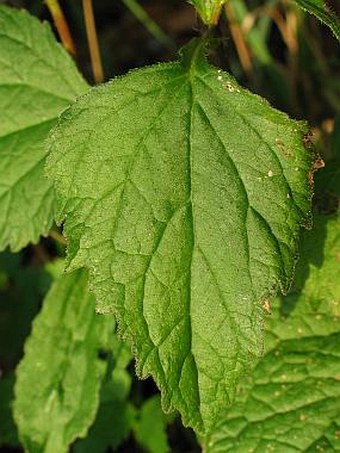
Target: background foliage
279,52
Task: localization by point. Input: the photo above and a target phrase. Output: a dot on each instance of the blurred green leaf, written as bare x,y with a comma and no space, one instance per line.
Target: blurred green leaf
267,75
115,415
291,402
257,36
38,80
59,378
112,426
150,426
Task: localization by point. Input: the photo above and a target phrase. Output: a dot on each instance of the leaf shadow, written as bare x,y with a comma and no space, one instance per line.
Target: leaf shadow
312,252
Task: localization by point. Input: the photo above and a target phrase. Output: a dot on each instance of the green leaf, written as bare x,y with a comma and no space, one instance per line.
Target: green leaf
115,416
38,80
291,402
112,426
183,194
59,378
322,11
150,427
209,10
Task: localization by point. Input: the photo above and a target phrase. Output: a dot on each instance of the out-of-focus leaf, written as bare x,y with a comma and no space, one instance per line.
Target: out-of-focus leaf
112,426
150,426
38,80
59,378
115,415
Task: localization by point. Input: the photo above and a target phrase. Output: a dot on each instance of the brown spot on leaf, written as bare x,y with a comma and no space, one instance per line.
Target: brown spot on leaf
311,178
317,164
281,146
307,139
266,305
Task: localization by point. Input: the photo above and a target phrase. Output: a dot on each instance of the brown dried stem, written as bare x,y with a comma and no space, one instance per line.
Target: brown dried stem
97,67
61,25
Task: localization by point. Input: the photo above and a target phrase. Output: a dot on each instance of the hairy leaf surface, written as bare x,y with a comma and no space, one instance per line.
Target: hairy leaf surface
322,11
38,80
59,378
183,193
292,401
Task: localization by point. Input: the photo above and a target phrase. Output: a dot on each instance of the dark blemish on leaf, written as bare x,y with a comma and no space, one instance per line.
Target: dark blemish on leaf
281,146
230,87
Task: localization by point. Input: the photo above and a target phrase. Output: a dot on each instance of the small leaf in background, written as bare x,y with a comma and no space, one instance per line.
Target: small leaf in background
38,80
183,194
321,10
292,400
59,378
115,416
209,10
150,426
111,428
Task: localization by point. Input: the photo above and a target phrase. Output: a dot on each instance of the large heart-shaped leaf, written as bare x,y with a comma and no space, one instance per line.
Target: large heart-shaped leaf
183,195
